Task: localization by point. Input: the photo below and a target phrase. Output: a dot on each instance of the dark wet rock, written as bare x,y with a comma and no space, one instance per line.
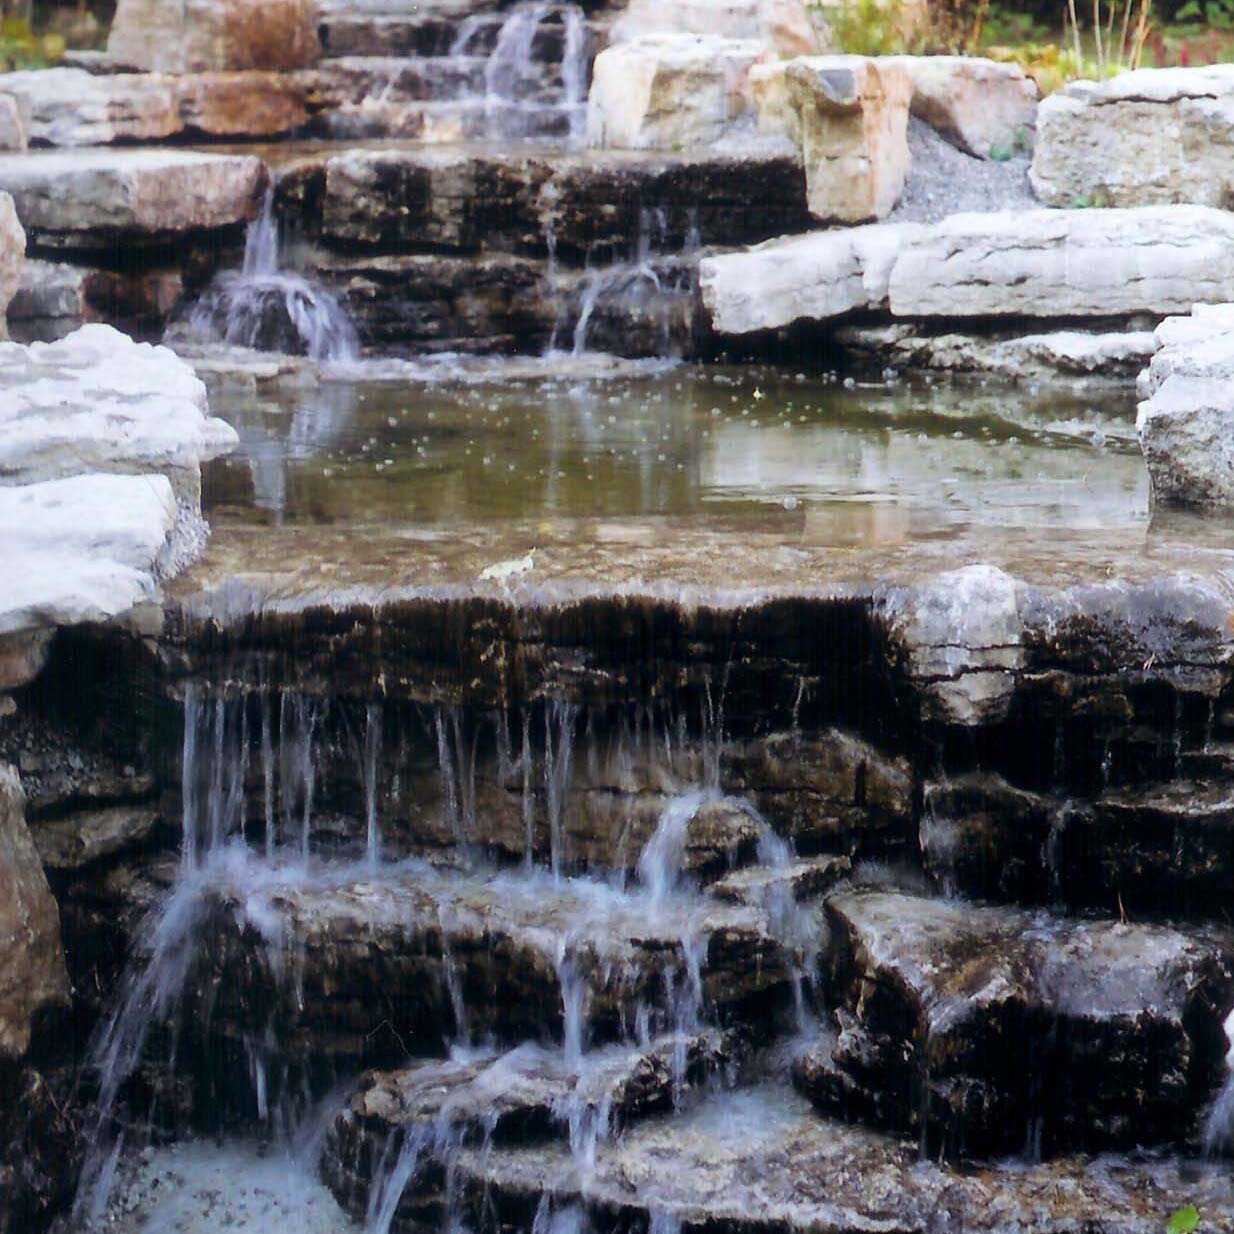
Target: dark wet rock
40,1145
987,1030
373,969
73,841
826,790
525,1095
804,878
33,979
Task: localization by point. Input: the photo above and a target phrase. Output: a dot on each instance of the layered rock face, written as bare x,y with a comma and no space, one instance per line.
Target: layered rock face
12,256
1186,421
1145,138
204,35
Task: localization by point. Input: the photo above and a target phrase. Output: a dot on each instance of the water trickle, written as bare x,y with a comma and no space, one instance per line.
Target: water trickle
661,862
559,721
271,309
372,767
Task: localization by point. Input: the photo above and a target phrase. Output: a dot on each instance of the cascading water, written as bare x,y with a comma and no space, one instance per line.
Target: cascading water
271,309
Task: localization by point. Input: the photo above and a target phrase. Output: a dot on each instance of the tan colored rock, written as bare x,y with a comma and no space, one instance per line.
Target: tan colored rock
669,91
852,118
70,107
788,26
202,35
89,199
1152,137
33,977
12,256
981,106
12,128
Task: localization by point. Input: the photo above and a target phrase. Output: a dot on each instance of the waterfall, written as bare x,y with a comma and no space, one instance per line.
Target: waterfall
271,309
661,862
372,771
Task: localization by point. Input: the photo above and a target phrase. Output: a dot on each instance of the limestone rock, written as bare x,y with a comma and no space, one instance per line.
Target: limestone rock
802,278
982,106
1150,137
201,35
32,972
962,635
70,107
1067,263
79,839
788,26
12,256
12,128
1186,422
941,1003
852,121
92,199
668,91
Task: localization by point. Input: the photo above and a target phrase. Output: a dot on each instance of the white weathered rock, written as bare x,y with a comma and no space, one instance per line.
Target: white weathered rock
785,25
802,278
963,637
202,35
93,198
12,256
981,106
84,548
97,401
1150,137
12,128
1067,263
1056,354
33,976
852,122
669,91
1186,421
70,107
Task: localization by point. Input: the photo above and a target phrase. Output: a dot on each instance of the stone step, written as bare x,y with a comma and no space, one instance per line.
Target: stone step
519,1097
757,1159
406,960
988,1030
1164,849
598,205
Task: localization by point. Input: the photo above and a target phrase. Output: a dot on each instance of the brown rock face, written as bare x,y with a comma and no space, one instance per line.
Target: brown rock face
203,35
32,972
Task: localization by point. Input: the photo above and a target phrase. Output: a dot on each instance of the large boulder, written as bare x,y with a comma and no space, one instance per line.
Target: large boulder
33,977
70,107
948,1015
789,26
12,127
92,199
12,256
1150,137
1067,263
985,107
1186,421
851,119
200,35
668,91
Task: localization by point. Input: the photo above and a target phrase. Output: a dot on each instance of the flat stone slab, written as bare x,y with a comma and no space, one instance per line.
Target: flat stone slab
92,198
1005,264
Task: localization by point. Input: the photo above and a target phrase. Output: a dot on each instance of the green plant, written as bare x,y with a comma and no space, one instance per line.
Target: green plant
1218,13
1021,143
1117,45
866,27
1185,1221
21,48
1097,199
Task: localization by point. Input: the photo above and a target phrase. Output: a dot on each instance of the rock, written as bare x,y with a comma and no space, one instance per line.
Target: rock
804,878
12,128
954,998
668,91
97,401
985,107
374,958
787,25
1057,355
1151,137
802,278
55,298
12,257
33,978
961,636
1071,263
93,199
852,120
70,843
1186,422
203,35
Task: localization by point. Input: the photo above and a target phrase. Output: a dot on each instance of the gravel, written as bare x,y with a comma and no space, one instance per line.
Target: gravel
943,180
